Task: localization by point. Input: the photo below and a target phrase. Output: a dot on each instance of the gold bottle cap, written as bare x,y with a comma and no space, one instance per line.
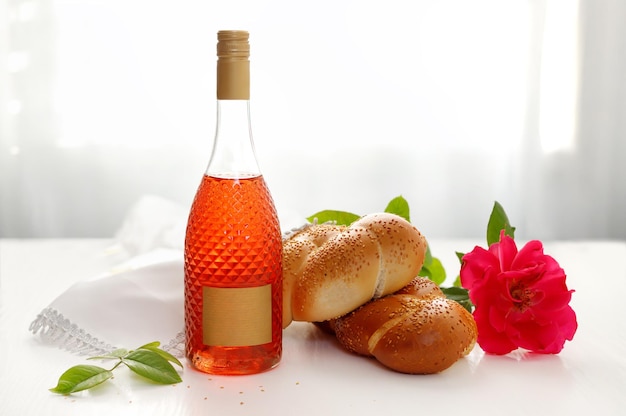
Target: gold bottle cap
233,66
233,44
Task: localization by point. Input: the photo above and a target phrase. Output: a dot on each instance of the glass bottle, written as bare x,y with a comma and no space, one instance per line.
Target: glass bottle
233,246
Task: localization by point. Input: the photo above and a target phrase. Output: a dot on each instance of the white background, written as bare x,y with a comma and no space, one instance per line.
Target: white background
452,104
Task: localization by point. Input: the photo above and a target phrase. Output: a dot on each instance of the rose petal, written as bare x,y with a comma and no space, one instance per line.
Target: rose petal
490,291
505,251
549,298
475,264
489,339
497,319
541,335
529,255
552,266
535,337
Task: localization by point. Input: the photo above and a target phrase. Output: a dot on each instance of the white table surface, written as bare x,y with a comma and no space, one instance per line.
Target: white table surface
316,377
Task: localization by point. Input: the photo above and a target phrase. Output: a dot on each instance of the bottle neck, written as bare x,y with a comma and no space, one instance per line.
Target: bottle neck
233,154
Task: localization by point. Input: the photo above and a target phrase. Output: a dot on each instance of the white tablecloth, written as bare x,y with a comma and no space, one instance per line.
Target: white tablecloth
316,377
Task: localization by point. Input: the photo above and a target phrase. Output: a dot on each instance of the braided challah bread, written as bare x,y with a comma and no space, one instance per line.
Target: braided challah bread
330,270
359,282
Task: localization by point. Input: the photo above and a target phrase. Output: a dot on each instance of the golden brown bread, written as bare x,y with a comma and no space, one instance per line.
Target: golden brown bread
416,330
360,283
330,270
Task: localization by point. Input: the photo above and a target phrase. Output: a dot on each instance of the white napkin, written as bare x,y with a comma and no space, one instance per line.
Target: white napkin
139,301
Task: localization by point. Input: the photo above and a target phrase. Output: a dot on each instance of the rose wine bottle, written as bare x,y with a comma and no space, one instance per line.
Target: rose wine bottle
233,246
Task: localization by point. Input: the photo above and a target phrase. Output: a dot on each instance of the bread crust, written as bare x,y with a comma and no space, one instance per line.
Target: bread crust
409,334
330,270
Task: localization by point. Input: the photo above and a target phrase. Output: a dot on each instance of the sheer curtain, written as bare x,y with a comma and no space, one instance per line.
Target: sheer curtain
452,104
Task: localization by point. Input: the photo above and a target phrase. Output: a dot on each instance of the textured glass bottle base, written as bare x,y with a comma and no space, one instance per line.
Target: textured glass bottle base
233,242
235,360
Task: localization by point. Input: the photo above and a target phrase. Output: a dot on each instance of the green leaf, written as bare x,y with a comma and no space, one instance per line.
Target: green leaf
399,206
153,344
428,258
457,281
434,271
81,377
154,347
432,268
115,354
341,217
460,295
498,221
152,366
459,256
455,293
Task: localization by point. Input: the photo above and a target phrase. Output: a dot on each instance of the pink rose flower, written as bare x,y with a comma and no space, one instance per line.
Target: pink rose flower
521,299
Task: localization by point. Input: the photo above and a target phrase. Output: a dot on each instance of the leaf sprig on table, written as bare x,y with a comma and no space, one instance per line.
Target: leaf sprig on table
148,361
432,267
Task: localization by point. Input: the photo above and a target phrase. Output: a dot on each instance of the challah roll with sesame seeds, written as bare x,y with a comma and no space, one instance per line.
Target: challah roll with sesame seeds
331,270
416,330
